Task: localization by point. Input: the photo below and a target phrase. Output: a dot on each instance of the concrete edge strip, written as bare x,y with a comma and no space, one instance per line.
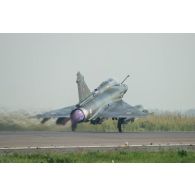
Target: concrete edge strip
92,146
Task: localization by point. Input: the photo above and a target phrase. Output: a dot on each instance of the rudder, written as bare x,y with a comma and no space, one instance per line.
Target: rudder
83,89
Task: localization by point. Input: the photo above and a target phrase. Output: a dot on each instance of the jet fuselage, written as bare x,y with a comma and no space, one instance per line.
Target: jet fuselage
108,92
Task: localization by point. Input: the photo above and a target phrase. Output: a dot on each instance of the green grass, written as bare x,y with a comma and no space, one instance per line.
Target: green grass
166,122
122,156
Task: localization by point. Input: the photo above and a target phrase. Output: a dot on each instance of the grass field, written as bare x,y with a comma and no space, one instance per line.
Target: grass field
166,122
179,156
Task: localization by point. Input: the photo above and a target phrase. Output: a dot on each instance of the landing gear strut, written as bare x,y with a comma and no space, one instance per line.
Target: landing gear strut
119,124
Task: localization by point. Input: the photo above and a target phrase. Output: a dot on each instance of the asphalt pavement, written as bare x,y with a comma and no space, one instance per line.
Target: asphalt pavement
52,139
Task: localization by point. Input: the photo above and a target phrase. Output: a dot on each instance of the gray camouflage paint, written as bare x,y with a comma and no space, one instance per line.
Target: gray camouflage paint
102,103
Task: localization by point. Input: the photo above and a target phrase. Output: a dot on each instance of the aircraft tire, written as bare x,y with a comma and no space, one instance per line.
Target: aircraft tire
119,125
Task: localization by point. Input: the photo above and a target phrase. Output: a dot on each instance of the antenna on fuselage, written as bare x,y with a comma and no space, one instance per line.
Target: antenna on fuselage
125,79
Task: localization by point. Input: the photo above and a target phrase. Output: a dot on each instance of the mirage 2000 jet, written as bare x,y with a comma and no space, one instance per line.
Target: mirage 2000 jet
103,103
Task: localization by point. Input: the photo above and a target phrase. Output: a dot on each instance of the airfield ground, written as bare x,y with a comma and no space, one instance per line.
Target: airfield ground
60,146
52,139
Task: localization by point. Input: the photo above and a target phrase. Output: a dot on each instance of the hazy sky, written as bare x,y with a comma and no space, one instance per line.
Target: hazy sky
39,70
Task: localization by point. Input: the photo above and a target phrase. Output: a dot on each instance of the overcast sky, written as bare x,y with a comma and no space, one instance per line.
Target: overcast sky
38,71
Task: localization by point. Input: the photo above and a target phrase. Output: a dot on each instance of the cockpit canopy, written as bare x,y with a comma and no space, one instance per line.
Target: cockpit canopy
105,85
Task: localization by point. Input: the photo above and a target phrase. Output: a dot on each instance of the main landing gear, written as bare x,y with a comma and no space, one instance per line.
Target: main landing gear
119,124
123,121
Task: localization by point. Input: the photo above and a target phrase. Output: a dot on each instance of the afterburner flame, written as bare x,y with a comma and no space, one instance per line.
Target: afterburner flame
77,116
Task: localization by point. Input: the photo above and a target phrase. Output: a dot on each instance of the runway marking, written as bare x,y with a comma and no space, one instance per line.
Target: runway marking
93,146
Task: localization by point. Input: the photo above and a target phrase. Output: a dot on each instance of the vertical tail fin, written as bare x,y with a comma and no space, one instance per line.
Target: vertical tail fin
83,89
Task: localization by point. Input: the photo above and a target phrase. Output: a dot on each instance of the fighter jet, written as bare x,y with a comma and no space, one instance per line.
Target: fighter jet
95,106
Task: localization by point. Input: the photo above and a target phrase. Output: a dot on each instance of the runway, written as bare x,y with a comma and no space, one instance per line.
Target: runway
72,140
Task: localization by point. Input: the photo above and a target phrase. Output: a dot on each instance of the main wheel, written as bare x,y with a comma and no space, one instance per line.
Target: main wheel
119,124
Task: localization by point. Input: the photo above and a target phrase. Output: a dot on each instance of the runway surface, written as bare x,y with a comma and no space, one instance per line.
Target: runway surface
60,139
